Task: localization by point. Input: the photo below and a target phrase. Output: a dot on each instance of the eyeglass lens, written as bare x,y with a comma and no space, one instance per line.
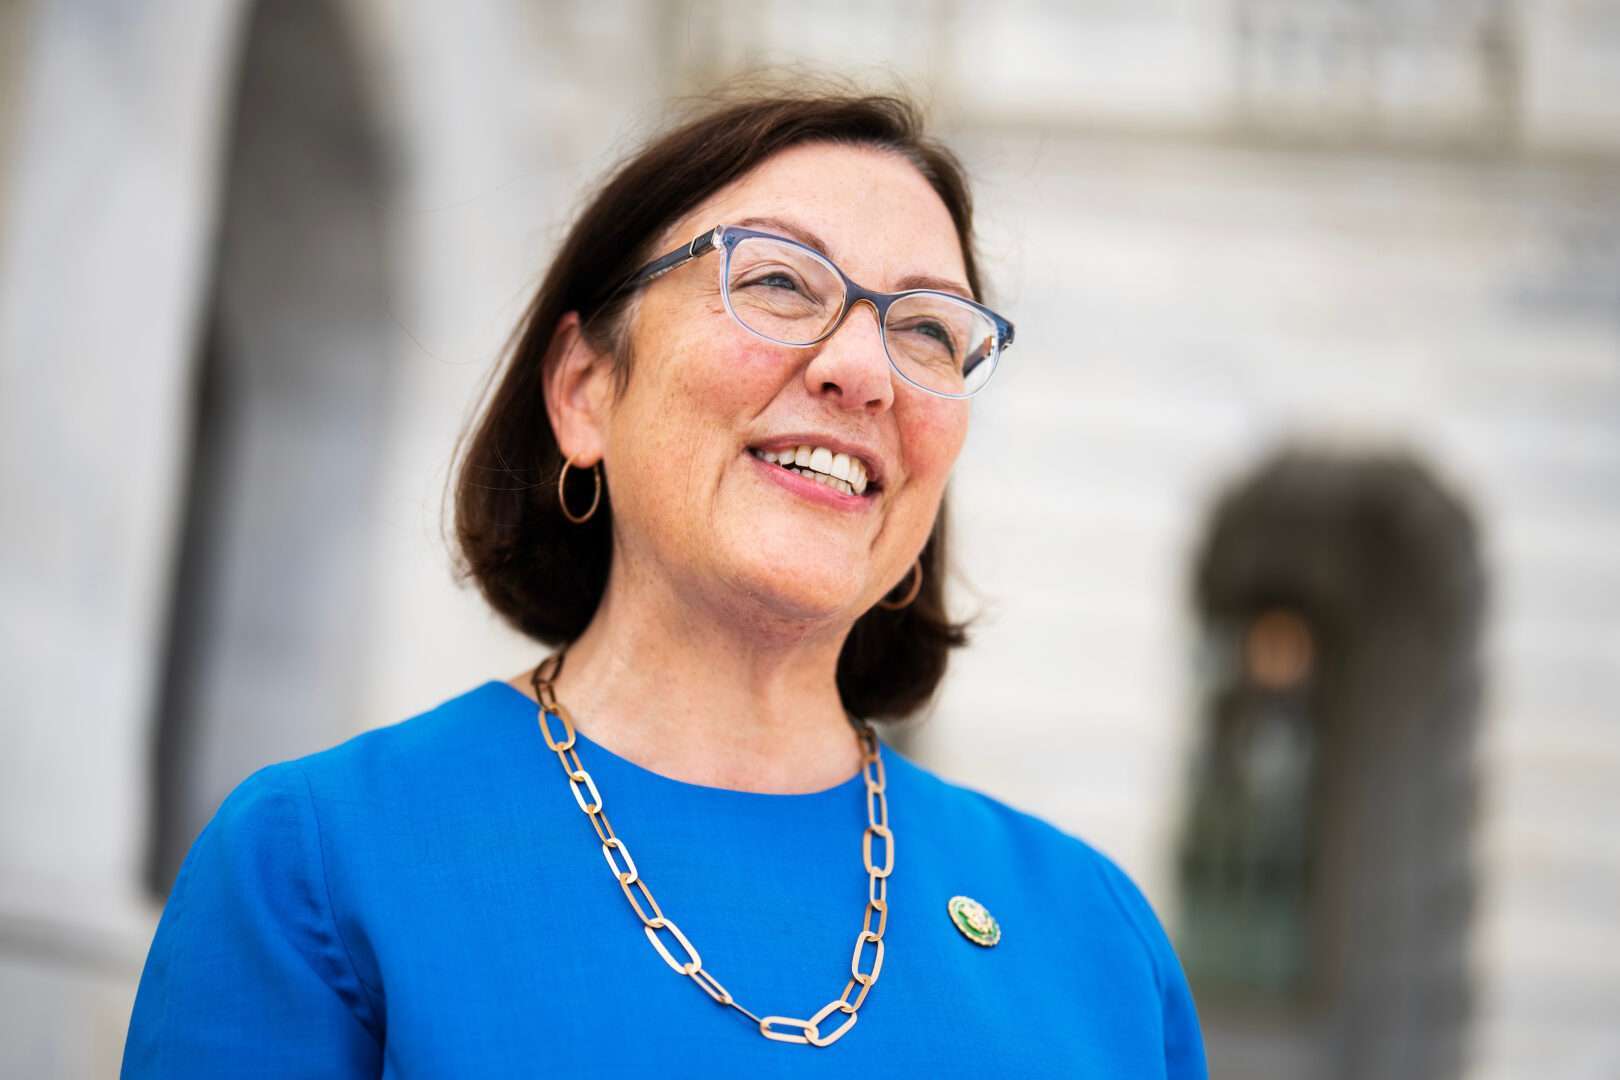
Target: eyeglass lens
790,295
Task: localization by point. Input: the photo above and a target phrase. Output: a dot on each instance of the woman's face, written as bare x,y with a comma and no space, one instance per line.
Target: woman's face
693,499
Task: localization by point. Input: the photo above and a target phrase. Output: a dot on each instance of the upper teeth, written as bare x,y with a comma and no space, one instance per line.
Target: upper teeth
843,472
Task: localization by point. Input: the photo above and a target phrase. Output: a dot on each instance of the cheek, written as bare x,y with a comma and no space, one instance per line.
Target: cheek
692,399
732,378
932,434
719,368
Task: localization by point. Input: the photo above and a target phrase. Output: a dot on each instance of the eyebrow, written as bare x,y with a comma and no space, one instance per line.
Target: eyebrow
806,236
798,232
938,284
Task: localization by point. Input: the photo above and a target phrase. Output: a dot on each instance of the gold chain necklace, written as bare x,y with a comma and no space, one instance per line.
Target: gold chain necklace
781,1028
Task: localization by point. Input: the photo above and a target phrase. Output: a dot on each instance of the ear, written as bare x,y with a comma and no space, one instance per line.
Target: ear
578,383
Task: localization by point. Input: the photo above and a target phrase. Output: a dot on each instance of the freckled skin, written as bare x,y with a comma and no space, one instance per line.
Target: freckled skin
713,655
689,505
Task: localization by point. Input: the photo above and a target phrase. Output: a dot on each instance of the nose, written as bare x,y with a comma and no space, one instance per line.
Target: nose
850,367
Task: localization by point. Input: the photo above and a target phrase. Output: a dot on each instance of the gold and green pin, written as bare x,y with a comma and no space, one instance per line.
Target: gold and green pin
975,922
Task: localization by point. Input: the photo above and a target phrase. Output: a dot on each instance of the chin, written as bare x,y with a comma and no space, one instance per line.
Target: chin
801,595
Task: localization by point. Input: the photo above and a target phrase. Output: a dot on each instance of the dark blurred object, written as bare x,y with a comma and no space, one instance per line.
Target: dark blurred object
1325,864
291,395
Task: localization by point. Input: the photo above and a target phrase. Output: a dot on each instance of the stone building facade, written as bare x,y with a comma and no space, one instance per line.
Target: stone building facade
257,261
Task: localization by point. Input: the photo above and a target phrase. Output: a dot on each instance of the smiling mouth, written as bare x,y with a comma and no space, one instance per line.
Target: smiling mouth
837,471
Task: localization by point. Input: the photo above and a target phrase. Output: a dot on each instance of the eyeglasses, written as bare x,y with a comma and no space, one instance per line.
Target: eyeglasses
791,294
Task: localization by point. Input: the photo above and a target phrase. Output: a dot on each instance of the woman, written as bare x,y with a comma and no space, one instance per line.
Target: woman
713,475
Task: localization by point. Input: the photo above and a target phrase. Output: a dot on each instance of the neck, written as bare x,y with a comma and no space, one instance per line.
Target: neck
719,698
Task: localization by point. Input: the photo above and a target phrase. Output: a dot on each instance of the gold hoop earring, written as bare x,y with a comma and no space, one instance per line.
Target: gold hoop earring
911,594
562,497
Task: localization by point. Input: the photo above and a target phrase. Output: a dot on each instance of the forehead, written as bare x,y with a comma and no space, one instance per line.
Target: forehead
879,218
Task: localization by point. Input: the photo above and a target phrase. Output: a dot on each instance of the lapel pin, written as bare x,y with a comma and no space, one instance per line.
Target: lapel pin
976,924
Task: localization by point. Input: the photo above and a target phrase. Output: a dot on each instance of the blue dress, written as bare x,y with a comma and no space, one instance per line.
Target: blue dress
426,900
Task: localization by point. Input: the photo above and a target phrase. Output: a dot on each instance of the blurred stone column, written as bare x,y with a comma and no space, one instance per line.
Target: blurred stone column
108,205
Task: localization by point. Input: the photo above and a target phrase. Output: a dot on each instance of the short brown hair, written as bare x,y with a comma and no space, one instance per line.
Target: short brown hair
545,575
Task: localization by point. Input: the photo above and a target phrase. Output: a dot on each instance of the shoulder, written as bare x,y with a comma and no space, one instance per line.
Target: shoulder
1102,906
383,788
969,809
437,747
1055,857
263,829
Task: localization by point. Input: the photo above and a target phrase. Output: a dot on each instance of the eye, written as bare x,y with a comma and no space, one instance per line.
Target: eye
769,277
936,331
931,330
776,281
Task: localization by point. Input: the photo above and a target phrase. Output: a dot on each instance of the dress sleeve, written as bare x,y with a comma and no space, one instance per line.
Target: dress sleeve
1183,1040
247,975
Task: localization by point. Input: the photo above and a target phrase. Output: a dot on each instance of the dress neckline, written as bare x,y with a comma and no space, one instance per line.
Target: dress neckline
596,751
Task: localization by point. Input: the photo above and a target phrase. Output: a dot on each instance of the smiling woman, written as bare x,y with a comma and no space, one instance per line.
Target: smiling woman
713,477
693,323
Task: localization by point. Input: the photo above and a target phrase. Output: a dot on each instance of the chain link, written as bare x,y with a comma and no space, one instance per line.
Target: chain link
780,1028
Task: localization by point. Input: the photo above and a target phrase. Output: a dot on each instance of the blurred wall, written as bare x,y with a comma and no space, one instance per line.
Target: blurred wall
1219,226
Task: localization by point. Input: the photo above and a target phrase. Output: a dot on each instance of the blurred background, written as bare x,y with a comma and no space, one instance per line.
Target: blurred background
1293,519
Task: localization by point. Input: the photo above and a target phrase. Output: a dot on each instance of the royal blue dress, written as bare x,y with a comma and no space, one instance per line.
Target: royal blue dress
426,900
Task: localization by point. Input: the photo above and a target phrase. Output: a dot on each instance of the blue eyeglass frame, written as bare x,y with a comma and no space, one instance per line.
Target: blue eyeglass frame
726,238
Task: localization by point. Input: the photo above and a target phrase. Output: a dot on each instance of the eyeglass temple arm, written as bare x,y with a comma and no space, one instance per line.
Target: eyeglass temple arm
665,263
658,267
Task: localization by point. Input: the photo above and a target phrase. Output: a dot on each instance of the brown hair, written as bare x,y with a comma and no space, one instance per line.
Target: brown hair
544,574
